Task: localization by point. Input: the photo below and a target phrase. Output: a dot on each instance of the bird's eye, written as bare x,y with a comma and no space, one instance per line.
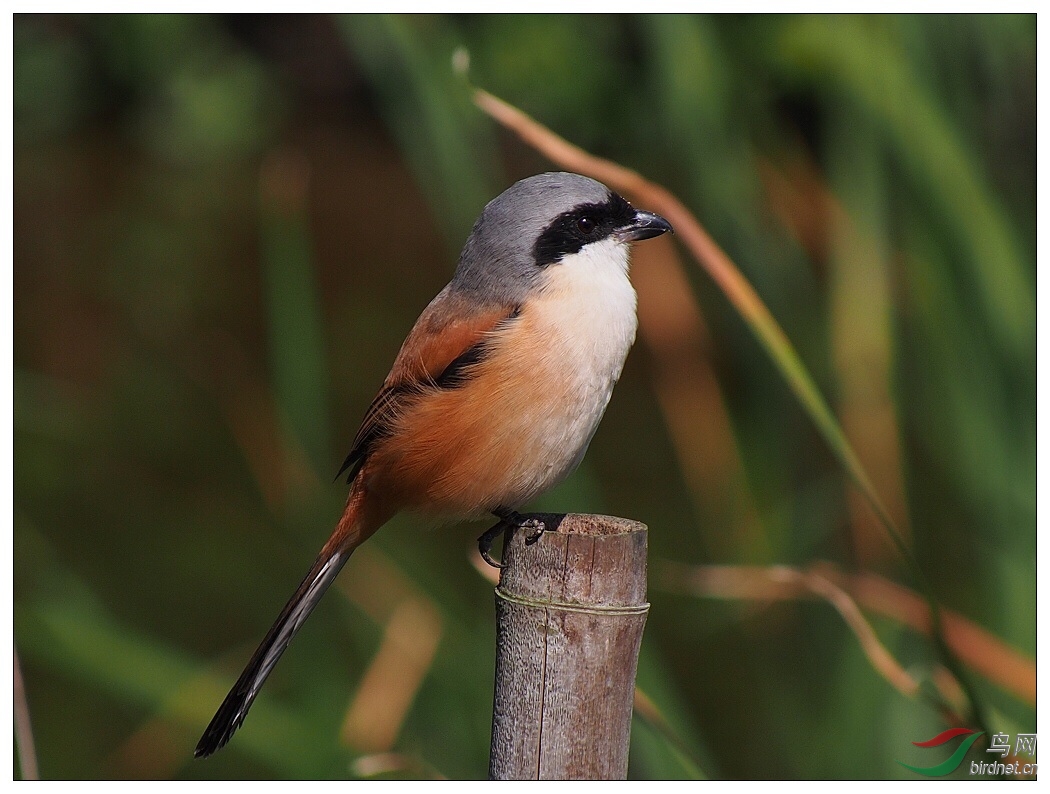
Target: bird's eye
585,225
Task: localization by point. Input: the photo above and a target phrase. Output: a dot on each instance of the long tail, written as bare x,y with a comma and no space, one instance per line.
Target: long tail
352,531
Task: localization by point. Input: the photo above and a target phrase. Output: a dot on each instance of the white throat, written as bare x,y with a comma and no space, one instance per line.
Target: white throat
595,306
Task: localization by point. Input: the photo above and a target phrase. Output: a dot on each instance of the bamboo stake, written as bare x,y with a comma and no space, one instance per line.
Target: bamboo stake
570,610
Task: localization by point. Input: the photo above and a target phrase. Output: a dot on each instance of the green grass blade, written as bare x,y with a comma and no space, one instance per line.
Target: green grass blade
298,365
450,152
80,640
854,55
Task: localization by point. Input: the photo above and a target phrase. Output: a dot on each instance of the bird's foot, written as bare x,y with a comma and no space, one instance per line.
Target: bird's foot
508,519
533,529
485,541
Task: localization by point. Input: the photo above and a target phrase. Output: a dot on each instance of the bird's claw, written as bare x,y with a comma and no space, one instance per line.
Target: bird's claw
488,557
533,528
485,542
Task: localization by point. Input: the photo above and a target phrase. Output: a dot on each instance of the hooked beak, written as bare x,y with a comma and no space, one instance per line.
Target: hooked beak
644,226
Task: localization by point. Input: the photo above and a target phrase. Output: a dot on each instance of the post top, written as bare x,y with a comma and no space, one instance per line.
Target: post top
588,524
586,560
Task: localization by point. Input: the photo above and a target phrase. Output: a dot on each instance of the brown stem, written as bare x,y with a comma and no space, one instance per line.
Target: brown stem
976,647
23,727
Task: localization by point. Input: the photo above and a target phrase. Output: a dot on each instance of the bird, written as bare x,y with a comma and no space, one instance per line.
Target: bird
496,392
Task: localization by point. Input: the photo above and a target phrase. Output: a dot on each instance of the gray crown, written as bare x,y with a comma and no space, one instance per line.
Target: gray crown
497,260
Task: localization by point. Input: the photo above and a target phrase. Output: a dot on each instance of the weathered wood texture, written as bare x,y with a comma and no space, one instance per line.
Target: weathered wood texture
570,610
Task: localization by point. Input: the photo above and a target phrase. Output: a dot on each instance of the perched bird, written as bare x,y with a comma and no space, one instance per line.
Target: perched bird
497,390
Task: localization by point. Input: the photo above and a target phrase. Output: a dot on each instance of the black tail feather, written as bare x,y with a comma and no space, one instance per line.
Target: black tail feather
234,708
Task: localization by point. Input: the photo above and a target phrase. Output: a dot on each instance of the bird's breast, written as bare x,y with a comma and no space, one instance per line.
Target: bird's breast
523,420
583,322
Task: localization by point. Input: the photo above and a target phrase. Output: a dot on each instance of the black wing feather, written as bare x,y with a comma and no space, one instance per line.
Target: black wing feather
382,411
391,398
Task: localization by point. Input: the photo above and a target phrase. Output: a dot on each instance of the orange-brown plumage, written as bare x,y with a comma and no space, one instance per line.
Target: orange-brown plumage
447,328
506,434
496,391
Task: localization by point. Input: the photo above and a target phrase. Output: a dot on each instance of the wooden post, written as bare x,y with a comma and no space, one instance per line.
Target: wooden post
570,609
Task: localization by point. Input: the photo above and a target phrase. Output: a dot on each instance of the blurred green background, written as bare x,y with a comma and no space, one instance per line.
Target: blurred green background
223,229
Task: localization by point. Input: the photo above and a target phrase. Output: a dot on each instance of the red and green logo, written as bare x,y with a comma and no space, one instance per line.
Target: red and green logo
950,764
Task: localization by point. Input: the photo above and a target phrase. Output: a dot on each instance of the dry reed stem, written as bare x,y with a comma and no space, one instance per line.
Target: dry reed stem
976,647
389,685
412,631
781,583
987,654
369,766
156,750
672,327
276,460
648,711
810,211
23,726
